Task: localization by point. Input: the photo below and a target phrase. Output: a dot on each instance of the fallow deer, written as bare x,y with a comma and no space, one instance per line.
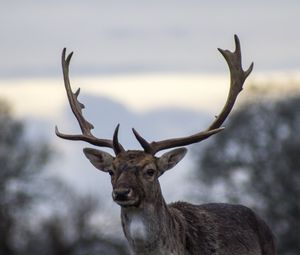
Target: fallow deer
153,227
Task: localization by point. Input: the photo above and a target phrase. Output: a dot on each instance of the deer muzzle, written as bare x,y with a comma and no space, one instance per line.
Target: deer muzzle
124,196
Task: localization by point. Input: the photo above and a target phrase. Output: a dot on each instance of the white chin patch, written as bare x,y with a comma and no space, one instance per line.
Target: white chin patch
137,229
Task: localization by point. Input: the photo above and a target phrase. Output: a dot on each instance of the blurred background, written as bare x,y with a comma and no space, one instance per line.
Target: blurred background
152,65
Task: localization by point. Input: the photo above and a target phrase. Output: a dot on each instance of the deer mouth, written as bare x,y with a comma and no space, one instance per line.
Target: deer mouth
125,198
129,202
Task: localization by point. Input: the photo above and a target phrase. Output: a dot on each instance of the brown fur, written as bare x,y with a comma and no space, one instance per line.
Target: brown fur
154,228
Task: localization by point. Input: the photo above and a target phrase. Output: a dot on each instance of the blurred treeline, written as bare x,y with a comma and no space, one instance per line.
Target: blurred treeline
38,214
256,162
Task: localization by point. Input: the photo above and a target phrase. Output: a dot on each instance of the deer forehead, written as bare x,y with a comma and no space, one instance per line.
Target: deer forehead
136,159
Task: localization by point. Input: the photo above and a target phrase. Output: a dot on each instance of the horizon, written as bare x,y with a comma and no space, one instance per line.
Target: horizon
43,97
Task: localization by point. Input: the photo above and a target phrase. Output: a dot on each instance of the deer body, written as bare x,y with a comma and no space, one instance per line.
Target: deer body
186,229
150,225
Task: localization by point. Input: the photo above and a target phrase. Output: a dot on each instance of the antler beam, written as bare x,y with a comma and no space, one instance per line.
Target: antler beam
237,79
77,107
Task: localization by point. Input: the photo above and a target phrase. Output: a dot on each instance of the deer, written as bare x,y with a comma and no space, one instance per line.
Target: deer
150,225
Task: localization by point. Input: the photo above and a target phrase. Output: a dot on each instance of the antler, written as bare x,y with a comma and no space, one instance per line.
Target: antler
237,79
77,107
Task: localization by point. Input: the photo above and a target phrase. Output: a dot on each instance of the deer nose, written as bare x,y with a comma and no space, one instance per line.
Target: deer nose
121,193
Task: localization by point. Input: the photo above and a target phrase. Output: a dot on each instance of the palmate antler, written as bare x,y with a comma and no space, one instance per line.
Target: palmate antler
237,79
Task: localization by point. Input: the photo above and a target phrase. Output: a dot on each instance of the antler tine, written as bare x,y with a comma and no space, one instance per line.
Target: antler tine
237,79
146,146
116,145
77,107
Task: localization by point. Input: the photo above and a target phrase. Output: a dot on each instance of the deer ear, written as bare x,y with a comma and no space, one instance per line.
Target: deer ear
170,159
100,159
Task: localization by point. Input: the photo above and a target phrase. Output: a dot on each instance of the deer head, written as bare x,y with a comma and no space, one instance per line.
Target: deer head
135,173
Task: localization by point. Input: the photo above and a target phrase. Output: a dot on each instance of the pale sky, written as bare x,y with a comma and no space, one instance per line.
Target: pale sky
134,36
140,93
45,98
144,54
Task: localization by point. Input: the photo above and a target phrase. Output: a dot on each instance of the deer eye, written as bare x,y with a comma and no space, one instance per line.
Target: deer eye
150,172
111,173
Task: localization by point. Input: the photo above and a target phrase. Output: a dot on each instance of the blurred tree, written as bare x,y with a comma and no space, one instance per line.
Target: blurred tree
70,230
65,230
256,161
20,164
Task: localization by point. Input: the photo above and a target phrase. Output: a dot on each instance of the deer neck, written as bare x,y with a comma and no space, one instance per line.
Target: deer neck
149,227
